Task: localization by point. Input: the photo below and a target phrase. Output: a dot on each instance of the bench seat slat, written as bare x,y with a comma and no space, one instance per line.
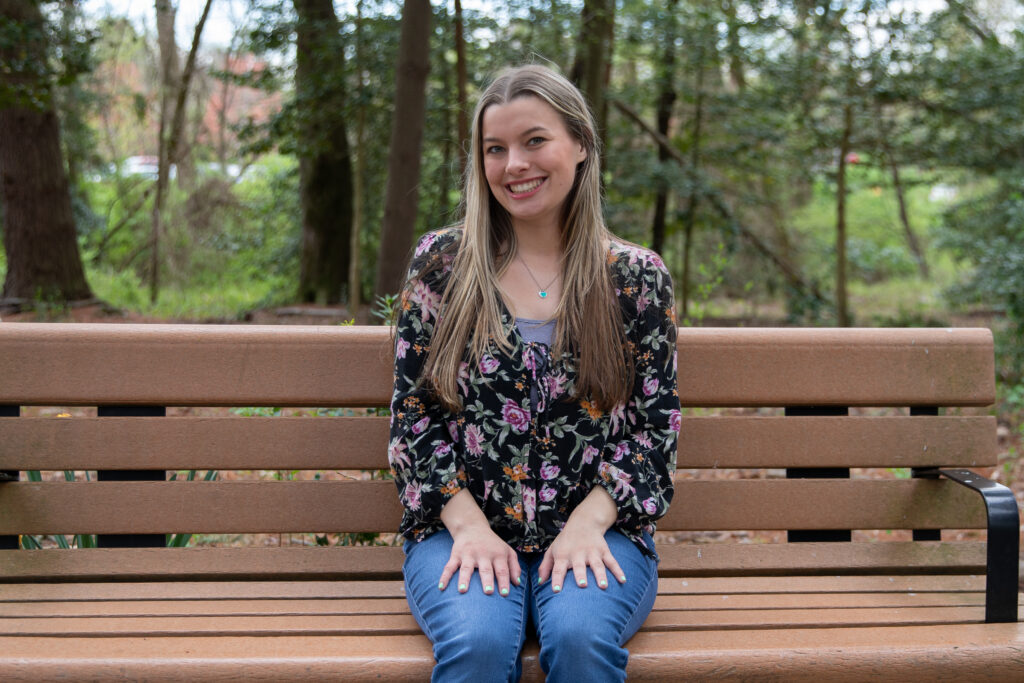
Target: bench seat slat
370,606
404,624
368,506
328,443
973,652
90,364
330,590
355,563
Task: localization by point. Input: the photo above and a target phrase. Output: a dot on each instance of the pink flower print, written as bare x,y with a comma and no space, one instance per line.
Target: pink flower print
623,488
588,454
621,450
547,494
651,385
488,485
650,506
529,503
453,430
425,243
515,416
442,449
644,300
528,359
643,439
675,420
488,365
549,471
421,426
411,495
555,384
474,440
617,417
401,347
656,261
398,458
427,299
463,376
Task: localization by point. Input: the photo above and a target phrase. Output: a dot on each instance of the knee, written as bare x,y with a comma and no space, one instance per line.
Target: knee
479,650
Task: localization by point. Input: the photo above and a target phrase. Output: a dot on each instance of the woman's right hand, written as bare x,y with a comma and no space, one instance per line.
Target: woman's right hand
476,548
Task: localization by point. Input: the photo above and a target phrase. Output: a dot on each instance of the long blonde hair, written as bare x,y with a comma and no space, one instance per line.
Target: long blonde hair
589,320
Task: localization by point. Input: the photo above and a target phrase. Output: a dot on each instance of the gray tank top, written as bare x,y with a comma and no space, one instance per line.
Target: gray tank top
536,330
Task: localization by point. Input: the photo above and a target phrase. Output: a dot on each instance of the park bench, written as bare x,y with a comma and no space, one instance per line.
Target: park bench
815,464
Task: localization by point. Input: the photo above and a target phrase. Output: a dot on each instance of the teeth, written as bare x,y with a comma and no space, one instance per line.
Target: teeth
525,187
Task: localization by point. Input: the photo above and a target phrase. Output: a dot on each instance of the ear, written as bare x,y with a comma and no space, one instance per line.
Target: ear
581,154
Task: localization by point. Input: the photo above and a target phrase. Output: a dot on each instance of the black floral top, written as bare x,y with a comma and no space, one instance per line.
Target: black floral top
530,463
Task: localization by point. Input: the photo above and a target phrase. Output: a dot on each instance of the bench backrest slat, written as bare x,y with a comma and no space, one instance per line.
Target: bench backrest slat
197,365
341,443
372,506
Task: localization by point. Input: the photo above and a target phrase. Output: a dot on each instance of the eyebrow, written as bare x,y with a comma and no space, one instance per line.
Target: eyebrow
526,132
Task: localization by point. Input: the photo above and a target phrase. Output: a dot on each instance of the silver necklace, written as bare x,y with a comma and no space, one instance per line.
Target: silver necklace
542,292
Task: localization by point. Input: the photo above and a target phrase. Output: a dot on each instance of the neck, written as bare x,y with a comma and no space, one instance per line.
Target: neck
538,242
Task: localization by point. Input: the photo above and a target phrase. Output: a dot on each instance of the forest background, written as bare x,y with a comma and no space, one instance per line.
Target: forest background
799,162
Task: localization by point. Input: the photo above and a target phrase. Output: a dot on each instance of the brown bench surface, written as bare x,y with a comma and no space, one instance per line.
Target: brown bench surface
906,609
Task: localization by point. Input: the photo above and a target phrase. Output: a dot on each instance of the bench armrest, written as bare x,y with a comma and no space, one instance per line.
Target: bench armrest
1002,547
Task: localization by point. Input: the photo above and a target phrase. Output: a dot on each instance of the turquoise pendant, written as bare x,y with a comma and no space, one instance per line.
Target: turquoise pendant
542,294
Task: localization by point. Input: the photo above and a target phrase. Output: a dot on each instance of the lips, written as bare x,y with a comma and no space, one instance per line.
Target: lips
525,187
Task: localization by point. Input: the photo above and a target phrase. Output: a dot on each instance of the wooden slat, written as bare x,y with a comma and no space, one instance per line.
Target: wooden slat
353,563
404,624
361,443
240,365
371,606
967,652
367,506
331,590
89,364
847,367
182,443
751,442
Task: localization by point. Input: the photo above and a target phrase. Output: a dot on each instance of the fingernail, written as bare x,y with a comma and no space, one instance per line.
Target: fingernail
539,581
440,586
517,580
488,589
582,584
462,586
622,578
602,583
556,588
504,591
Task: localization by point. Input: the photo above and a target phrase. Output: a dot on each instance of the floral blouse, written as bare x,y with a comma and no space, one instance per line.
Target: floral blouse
529,463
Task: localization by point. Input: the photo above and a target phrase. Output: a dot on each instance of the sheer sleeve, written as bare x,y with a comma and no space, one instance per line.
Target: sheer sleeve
637,467
423,450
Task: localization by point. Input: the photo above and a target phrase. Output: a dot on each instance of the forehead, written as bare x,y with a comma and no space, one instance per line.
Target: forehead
517,116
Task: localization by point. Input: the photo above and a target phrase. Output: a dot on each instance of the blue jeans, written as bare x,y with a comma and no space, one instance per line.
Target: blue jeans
478,637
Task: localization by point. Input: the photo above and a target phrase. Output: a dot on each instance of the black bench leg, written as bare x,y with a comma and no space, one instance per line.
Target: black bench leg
925,473
131,540
817,535
9,542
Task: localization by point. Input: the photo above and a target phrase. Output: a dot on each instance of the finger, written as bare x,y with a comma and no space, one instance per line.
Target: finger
501,574
486,576
515,571
597,567
465,574
447,572
613,567
579,570
558,570
544,571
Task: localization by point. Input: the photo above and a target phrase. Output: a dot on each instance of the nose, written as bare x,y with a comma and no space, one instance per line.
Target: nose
516,161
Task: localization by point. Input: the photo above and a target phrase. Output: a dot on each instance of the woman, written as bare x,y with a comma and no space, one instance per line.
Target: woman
535,410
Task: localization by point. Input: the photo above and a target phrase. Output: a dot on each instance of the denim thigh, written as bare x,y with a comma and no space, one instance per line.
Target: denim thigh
476,637
582,631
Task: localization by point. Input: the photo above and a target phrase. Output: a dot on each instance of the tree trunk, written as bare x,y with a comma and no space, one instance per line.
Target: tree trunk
666,98
325,168
359,181
908,231
842,312
693,202
593,57
460,88
401,198
169,146
736,72
170,82
43,261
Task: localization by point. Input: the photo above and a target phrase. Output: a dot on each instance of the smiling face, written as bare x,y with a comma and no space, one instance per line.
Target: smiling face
529,160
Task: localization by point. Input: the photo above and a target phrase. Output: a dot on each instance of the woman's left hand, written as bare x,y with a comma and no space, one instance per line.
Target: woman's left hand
580,544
